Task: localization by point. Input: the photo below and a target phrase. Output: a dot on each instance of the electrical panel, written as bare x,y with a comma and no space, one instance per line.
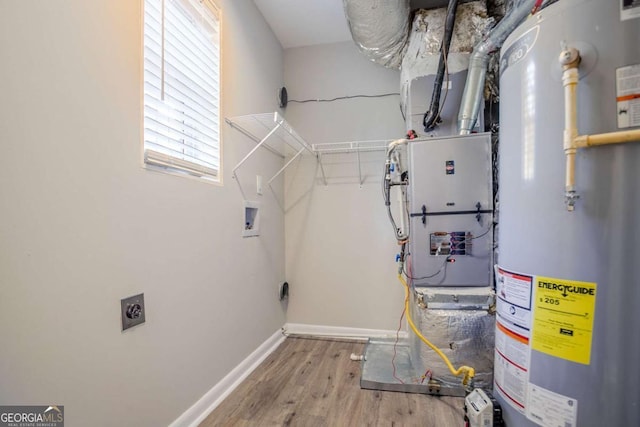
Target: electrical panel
451,208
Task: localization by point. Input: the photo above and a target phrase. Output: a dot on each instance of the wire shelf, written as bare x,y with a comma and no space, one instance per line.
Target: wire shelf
351,146
271,131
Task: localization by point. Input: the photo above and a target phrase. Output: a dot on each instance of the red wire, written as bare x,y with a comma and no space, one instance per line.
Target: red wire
426,375
536,6
393,359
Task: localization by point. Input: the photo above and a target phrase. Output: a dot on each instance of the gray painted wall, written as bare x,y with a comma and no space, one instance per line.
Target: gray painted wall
340,247
82,224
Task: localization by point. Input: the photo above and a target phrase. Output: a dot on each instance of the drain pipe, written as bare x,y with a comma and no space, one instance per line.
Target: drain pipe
474,86
430,117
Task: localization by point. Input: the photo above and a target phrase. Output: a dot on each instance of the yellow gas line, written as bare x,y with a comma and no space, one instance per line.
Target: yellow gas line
467,371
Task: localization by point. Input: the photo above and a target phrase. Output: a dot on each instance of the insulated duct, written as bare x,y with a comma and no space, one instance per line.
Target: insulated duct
380,29
462,325
474,87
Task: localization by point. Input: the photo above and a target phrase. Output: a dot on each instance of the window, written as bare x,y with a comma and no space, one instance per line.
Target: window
182,86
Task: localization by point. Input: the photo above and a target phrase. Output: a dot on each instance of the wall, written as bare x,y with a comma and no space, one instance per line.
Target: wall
340,247
83,224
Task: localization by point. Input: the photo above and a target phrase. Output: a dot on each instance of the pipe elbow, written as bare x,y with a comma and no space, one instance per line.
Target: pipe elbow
482,49
569,58
394,144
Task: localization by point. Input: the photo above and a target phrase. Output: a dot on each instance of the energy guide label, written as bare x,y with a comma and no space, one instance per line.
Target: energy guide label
563,325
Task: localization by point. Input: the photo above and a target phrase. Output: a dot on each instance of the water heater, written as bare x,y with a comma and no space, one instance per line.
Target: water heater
568,282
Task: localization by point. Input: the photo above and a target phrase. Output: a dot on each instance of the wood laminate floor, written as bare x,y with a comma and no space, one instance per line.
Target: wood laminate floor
311,382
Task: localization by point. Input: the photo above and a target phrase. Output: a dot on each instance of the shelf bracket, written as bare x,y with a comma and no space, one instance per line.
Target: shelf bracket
359,166
286,165
251,136
324,177
275,128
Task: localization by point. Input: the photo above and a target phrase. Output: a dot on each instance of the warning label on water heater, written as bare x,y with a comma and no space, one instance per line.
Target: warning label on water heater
513,324
628,96
563,321
629,9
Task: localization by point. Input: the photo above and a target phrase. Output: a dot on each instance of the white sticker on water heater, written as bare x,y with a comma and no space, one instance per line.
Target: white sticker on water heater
550,409
629,9
513,333
628,96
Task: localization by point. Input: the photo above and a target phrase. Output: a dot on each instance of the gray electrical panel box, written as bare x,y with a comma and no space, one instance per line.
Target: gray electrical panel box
451,206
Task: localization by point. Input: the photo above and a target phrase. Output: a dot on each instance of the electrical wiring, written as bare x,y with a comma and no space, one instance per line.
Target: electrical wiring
483,234
431,118
386,196
395,344
459,240
466,372
536,7
338,98
446,73
408,267
409,274
406,209
442,267
426,375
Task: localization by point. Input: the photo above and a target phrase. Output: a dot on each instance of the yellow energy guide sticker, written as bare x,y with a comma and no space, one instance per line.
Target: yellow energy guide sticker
563,318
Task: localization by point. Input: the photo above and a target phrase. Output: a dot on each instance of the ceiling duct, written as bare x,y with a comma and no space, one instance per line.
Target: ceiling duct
380,29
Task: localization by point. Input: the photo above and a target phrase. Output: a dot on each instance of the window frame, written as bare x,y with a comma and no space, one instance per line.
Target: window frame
174,165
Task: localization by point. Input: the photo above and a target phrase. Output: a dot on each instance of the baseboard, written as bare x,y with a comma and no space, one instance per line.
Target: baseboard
211,399
338,331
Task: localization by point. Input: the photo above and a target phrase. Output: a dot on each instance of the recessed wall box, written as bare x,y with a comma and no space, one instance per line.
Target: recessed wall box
251,219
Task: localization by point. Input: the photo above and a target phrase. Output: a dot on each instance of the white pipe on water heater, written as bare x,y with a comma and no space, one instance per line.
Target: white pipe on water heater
570,61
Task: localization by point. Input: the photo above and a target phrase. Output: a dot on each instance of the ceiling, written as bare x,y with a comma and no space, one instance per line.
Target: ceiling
299,23
305,22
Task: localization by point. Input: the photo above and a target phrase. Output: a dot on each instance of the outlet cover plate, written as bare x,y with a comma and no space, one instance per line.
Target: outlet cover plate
132,311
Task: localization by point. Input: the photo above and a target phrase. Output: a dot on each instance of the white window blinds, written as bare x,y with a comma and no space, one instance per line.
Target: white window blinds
182,86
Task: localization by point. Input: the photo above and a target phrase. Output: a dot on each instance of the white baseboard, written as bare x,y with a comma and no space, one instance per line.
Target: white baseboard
339,331
211,399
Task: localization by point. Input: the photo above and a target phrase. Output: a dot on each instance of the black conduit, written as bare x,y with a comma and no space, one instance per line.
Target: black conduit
430,117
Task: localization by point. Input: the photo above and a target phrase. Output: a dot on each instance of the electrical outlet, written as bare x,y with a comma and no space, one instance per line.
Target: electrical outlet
132,311
259,185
